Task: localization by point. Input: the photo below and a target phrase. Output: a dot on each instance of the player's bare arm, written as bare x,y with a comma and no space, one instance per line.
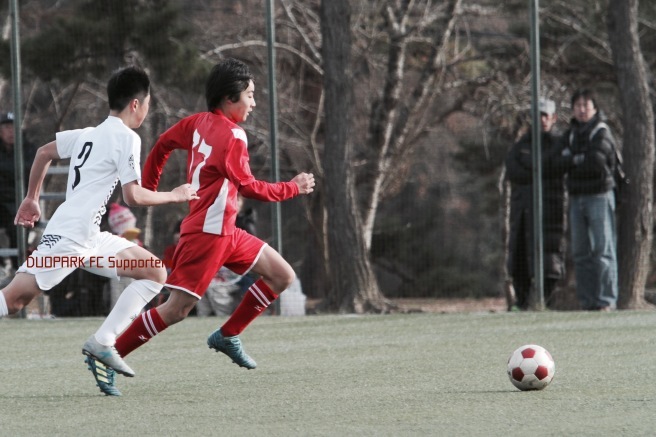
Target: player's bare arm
136,195
29,211
305,182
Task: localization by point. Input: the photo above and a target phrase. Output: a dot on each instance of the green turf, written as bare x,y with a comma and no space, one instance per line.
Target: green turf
393,375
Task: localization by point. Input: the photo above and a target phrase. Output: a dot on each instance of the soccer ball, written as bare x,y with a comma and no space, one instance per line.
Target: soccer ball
531,367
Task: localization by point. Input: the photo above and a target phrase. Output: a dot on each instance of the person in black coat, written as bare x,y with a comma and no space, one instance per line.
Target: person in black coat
519,168
591,157
8,206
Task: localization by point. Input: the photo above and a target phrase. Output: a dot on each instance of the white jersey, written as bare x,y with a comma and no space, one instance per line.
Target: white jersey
100,157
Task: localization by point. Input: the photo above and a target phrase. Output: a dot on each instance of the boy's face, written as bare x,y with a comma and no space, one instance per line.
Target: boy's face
547,121
584,110
238,111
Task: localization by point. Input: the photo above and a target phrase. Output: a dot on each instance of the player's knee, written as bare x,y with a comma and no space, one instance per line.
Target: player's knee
289,279
14,307
285,279
158,275
172,314
176,317
177,307
17,298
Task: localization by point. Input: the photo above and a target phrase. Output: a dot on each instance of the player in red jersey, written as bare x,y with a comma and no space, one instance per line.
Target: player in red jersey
217,162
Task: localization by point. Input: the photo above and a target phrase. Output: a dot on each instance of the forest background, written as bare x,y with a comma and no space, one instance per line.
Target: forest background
404,110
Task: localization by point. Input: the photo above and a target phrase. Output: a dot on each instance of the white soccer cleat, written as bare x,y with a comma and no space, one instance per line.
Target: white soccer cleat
108,355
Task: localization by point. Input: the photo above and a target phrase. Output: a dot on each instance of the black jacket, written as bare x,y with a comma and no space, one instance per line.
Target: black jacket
519,168
8,171
594,175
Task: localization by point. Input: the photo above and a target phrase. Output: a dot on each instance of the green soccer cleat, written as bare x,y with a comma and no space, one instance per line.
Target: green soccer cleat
105,376
231,346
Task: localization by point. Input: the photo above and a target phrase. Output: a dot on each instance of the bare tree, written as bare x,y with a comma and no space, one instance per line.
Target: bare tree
396,123
635,214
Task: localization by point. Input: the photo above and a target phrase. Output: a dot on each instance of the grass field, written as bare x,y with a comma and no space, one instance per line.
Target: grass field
392,375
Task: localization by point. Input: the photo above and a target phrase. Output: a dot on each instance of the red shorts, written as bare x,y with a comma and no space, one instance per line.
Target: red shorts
199,256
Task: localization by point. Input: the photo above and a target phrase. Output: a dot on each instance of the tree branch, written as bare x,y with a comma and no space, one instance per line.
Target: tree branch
259,43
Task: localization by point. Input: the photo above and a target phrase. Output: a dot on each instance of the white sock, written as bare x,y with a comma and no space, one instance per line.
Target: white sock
127,308
4,311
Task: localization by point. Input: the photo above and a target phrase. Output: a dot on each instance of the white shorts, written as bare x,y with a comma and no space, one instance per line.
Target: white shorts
57,257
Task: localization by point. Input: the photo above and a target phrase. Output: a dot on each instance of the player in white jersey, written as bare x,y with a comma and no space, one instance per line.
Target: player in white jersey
100,158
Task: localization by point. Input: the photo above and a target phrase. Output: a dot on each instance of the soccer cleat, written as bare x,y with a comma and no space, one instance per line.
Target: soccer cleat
108,355
231,346
105,377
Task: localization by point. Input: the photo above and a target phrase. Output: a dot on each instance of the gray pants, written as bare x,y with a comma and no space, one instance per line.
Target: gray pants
218,300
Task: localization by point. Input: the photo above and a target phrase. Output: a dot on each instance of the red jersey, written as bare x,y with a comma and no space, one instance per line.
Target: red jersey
217,168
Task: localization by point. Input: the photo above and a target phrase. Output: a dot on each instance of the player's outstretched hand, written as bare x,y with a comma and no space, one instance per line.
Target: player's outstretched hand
184,193
28,213
305,182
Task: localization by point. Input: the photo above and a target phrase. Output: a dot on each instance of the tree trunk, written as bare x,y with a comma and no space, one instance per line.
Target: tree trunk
635,211
353,283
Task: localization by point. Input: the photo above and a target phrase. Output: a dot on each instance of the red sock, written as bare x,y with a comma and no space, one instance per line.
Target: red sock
143,328
258,298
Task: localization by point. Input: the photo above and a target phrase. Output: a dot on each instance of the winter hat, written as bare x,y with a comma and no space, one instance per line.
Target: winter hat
547,106
122,222
7,118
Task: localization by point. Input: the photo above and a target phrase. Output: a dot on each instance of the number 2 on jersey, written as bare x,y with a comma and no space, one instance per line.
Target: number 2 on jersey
202,149
84,155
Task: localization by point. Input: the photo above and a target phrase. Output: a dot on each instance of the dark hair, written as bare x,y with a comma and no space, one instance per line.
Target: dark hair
126,84
228,79
585,94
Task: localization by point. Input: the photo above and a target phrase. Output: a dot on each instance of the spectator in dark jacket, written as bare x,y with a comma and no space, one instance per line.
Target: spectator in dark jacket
519,167
590,155
7,177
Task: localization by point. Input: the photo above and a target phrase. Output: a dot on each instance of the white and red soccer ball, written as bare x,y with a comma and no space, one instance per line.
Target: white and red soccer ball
531,367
